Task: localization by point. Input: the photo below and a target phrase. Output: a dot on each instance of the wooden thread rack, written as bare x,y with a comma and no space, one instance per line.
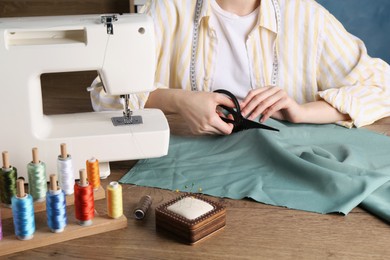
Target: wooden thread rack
43,236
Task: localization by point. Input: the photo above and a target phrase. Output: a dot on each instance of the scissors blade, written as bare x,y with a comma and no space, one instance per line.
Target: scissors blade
249,124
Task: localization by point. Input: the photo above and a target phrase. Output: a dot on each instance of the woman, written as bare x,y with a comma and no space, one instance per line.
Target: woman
286,59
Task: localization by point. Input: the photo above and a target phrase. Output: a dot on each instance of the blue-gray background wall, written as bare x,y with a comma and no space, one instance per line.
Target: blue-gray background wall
367,19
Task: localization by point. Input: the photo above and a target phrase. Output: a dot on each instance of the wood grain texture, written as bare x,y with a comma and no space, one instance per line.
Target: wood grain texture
43,236
253,231
381,126
131,6
18,8
64,93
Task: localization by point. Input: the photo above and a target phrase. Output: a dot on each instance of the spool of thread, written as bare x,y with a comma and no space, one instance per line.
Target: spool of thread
114,200
56,207
65,171
23,213
8,176
93,173
142,207
84,200
36,171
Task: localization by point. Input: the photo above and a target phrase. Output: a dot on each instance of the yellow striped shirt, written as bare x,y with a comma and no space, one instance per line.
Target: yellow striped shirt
317,58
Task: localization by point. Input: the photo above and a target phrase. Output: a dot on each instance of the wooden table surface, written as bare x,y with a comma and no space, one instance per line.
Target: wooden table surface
253,230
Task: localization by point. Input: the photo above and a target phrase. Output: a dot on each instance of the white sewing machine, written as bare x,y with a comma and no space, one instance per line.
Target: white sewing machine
119,47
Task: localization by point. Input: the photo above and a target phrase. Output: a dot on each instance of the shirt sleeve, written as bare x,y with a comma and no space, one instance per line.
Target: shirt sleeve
101,101
349,79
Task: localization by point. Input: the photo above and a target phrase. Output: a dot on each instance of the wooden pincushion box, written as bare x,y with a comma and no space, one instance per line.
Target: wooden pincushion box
191,217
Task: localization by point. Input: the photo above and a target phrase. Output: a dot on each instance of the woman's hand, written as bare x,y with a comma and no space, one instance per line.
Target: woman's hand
274,102
197,109
271,102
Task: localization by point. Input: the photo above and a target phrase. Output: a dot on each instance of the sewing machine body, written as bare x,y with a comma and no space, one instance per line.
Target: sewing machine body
125,61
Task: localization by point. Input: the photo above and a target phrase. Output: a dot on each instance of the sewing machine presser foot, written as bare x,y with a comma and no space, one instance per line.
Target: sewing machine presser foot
124,120
127,118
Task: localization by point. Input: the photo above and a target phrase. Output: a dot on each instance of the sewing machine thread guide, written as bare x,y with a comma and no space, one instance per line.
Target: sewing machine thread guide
108,22
122,120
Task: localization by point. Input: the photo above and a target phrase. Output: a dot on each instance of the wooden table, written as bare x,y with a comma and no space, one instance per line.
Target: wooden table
253,231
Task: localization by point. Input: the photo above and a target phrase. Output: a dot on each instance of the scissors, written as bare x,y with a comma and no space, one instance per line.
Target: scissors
240,123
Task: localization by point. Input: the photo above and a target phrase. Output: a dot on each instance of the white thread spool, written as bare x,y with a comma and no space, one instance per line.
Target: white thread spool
65,171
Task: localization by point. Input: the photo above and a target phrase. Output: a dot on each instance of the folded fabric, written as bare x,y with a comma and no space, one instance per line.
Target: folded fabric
317,168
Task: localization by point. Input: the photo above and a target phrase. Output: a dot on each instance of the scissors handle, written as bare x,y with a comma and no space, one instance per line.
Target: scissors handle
228,120
240,123
235,112
233,98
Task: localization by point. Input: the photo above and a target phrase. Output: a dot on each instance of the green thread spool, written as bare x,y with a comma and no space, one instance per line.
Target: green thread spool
8,176
37,184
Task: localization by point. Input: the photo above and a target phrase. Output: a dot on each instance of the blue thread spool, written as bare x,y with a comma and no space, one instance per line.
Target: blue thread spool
23,213
56,207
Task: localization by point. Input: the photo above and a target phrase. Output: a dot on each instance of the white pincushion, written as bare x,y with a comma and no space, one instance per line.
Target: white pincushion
190,208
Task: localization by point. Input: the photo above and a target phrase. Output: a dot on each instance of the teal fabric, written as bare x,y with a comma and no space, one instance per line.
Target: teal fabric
322,169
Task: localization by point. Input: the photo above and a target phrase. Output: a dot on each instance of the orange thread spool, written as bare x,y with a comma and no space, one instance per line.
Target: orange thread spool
93,173
84,200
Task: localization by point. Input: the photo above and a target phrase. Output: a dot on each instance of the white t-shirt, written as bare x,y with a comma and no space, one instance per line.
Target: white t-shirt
232,67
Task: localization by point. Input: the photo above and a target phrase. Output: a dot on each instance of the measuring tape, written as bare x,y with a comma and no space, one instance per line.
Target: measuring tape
195,37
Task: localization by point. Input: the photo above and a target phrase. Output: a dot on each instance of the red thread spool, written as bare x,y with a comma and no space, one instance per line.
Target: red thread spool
83,200
93,173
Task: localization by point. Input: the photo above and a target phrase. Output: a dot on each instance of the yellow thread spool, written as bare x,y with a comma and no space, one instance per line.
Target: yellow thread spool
114,200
